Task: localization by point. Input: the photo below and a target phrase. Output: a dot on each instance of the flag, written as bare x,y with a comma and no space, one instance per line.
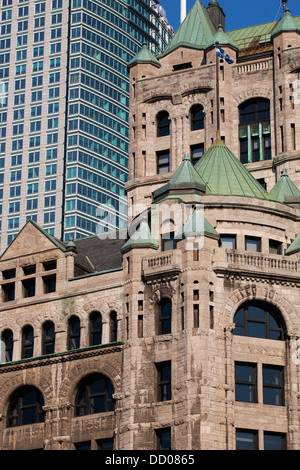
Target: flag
221,53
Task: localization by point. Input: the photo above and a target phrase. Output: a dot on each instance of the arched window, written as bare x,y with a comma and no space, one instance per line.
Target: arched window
259,320
7,342
113,327
74,333
165,317
255,130
95,329
94,395
163,124
27,342
48,346
25,407
197,117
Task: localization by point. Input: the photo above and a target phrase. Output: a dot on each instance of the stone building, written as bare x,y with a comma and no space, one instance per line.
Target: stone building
181,332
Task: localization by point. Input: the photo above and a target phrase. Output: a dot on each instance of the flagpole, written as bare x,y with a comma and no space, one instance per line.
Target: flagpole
218,93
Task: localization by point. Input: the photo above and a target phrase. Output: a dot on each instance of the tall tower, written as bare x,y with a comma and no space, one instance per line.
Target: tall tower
64,112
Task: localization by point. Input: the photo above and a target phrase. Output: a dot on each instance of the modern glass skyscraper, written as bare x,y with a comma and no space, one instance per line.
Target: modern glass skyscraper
64,95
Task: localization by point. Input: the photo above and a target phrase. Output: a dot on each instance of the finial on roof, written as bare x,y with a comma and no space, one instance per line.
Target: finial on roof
284,172
186,156
71,245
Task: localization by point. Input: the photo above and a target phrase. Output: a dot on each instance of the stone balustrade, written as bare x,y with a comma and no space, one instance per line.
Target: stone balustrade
167,262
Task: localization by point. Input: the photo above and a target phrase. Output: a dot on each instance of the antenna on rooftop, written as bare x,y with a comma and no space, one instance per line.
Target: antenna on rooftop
284,2
182,10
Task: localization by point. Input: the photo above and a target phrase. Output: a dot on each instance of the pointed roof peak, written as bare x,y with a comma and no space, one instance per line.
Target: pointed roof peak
287,23
184,178
145,56
141,238
225,175
222,39
196,31
284,188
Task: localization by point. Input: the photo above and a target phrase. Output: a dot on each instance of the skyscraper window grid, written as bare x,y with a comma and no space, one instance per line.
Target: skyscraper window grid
64,110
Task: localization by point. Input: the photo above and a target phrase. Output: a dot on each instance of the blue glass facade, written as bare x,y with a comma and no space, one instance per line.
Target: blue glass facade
104,36
64,103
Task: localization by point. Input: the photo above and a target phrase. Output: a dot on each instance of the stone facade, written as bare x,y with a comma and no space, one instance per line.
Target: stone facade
176,325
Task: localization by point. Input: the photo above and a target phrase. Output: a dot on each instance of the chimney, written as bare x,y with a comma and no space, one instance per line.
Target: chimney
216,14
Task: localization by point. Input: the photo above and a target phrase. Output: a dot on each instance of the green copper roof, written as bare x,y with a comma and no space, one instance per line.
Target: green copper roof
224,174
184,178
196,31
141,238
284,188
222,38
197,225
245,37
294,247
287,23
145,56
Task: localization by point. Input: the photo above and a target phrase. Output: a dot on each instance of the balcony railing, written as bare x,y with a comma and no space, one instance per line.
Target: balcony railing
168,262
259,263
278,263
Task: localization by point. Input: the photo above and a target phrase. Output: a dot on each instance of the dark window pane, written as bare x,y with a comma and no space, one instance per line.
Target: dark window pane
256,330
105,444
274,441
239,316
164,438
246,440
244,393
256,313
83,445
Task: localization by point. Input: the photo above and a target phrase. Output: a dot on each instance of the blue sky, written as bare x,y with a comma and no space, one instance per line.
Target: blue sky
239,14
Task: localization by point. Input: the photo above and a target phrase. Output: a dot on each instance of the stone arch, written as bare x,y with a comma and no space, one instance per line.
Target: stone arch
264,293
252,93
39,381
77,373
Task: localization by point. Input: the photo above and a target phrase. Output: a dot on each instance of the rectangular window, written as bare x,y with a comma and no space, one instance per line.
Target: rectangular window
49,284
163,162
163,437
8,292
246,439
168,242
273,393
274,441
105,444
246,382
228,241
275,247
140,326
28,287
197,151
164,381
293,136
252,244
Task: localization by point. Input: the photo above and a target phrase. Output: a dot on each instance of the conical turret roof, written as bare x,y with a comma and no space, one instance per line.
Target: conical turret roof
284,188
144,56
222,39
225,175
287,23
141,238
184,178
197,226
196,31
